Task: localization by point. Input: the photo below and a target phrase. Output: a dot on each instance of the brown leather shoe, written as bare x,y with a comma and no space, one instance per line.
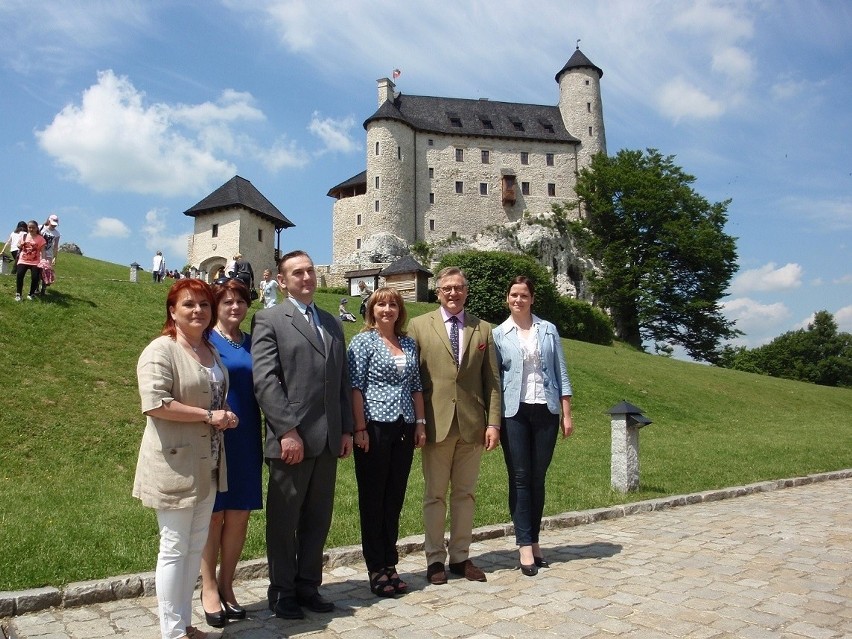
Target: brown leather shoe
467,570
435,574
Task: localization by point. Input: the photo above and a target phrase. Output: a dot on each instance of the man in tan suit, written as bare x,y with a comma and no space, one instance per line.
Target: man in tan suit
461,389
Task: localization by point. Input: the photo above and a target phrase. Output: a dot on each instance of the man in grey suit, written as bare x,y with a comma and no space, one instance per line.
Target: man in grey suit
302,385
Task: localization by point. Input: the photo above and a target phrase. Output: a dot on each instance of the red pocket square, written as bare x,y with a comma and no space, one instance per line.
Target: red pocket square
482,346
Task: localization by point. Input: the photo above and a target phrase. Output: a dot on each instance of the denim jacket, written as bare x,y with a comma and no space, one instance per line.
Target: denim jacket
511,363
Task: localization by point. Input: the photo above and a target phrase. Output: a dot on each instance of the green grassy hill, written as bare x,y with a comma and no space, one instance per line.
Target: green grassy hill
70,427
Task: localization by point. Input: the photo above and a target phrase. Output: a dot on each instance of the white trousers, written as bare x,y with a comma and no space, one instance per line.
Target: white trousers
183,533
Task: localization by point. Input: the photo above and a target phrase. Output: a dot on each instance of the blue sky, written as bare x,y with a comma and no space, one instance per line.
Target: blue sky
119,115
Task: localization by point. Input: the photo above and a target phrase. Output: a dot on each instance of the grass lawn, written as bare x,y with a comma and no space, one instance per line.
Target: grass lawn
70,427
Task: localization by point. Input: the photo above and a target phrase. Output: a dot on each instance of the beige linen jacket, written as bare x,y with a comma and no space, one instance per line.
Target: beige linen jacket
175,464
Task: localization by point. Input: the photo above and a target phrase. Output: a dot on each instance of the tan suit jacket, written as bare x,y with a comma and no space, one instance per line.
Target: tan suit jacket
470,392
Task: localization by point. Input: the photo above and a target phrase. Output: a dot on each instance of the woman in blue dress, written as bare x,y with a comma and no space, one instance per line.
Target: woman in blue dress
229,523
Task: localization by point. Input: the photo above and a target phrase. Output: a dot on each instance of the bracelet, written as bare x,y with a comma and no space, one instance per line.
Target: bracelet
422,420
209,416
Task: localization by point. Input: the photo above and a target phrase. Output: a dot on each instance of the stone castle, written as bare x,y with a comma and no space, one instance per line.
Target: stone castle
453,170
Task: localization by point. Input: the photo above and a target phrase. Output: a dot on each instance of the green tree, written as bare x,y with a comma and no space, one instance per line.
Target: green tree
666,260
489,274
818,354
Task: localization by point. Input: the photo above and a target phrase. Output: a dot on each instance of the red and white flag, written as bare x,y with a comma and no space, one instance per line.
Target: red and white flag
396,73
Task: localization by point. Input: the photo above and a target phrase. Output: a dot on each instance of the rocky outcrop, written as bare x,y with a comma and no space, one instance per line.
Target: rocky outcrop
70,247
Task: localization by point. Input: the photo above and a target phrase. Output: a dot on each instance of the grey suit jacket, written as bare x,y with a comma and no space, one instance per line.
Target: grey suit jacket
298,382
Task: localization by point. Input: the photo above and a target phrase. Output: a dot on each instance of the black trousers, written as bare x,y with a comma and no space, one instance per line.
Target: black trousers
382,475
299,503
35,277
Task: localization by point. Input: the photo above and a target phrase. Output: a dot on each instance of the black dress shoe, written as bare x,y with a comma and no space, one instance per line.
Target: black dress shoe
541,562
529,570
234,611
287,608
214,619
315,603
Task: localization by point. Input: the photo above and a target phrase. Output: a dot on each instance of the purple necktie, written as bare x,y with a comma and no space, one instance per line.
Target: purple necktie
454,338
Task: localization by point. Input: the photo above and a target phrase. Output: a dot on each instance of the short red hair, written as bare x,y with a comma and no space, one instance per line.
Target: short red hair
197,287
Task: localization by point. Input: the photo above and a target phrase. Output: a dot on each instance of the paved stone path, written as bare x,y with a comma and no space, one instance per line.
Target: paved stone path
769,564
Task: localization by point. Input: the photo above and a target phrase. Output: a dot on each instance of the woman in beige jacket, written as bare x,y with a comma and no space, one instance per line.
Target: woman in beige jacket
182,385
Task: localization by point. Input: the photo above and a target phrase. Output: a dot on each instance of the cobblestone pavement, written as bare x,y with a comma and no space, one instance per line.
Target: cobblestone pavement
770,564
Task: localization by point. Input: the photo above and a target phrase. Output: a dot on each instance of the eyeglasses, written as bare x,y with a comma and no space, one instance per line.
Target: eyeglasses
452,289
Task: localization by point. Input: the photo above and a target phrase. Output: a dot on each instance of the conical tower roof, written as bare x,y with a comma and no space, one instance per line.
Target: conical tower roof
579,61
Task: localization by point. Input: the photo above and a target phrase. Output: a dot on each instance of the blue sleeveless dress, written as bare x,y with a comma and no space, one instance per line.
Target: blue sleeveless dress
243,444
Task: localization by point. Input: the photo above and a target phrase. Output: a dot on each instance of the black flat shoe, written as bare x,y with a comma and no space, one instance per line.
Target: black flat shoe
529,571
214,619
541,562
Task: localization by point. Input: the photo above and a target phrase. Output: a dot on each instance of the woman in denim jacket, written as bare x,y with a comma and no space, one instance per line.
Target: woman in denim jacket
536,389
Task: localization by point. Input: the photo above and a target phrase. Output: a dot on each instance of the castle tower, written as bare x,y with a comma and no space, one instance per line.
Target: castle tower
390,170
581,106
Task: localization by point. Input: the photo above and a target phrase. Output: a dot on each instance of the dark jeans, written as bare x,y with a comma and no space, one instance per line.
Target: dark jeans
528,440
35,277
382,475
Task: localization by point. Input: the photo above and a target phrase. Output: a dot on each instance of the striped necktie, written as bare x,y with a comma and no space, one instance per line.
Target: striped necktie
454,338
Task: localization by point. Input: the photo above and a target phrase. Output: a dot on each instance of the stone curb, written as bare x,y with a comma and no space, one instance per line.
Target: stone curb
84,593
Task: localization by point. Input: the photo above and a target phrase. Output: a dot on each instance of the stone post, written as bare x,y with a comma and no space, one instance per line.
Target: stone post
134,272
626,420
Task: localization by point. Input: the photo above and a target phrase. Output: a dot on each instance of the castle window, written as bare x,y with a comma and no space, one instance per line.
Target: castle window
431,198
551,189
358,243
486,156
459,155
459,187
430,142
214,230
377,181
587,83
589,107
508,189
483,188
358,220
525,157
431,225
377,206
590,130
487,124
454,235
377,148
454,118
260,235
525,188
517,124
548,158
431,172
399,153
546,125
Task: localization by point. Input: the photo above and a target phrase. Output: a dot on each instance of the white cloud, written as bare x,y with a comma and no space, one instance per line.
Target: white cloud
843,279
843,317
112,141
768,278
110,227
680,99
734,63
282,155
834,214
336,135
159,238
758,321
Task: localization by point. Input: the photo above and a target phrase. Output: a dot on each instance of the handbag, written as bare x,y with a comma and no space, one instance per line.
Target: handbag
253,293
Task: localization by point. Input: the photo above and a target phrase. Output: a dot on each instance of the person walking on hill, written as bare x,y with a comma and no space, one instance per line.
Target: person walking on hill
535,389
13,243
183,387
31,253
268,290
243,271
51,235
158,267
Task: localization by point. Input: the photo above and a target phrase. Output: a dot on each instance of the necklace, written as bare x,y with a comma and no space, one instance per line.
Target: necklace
230,341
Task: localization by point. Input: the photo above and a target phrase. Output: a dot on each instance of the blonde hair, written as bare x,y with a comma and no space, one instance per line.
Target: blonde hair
385,294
